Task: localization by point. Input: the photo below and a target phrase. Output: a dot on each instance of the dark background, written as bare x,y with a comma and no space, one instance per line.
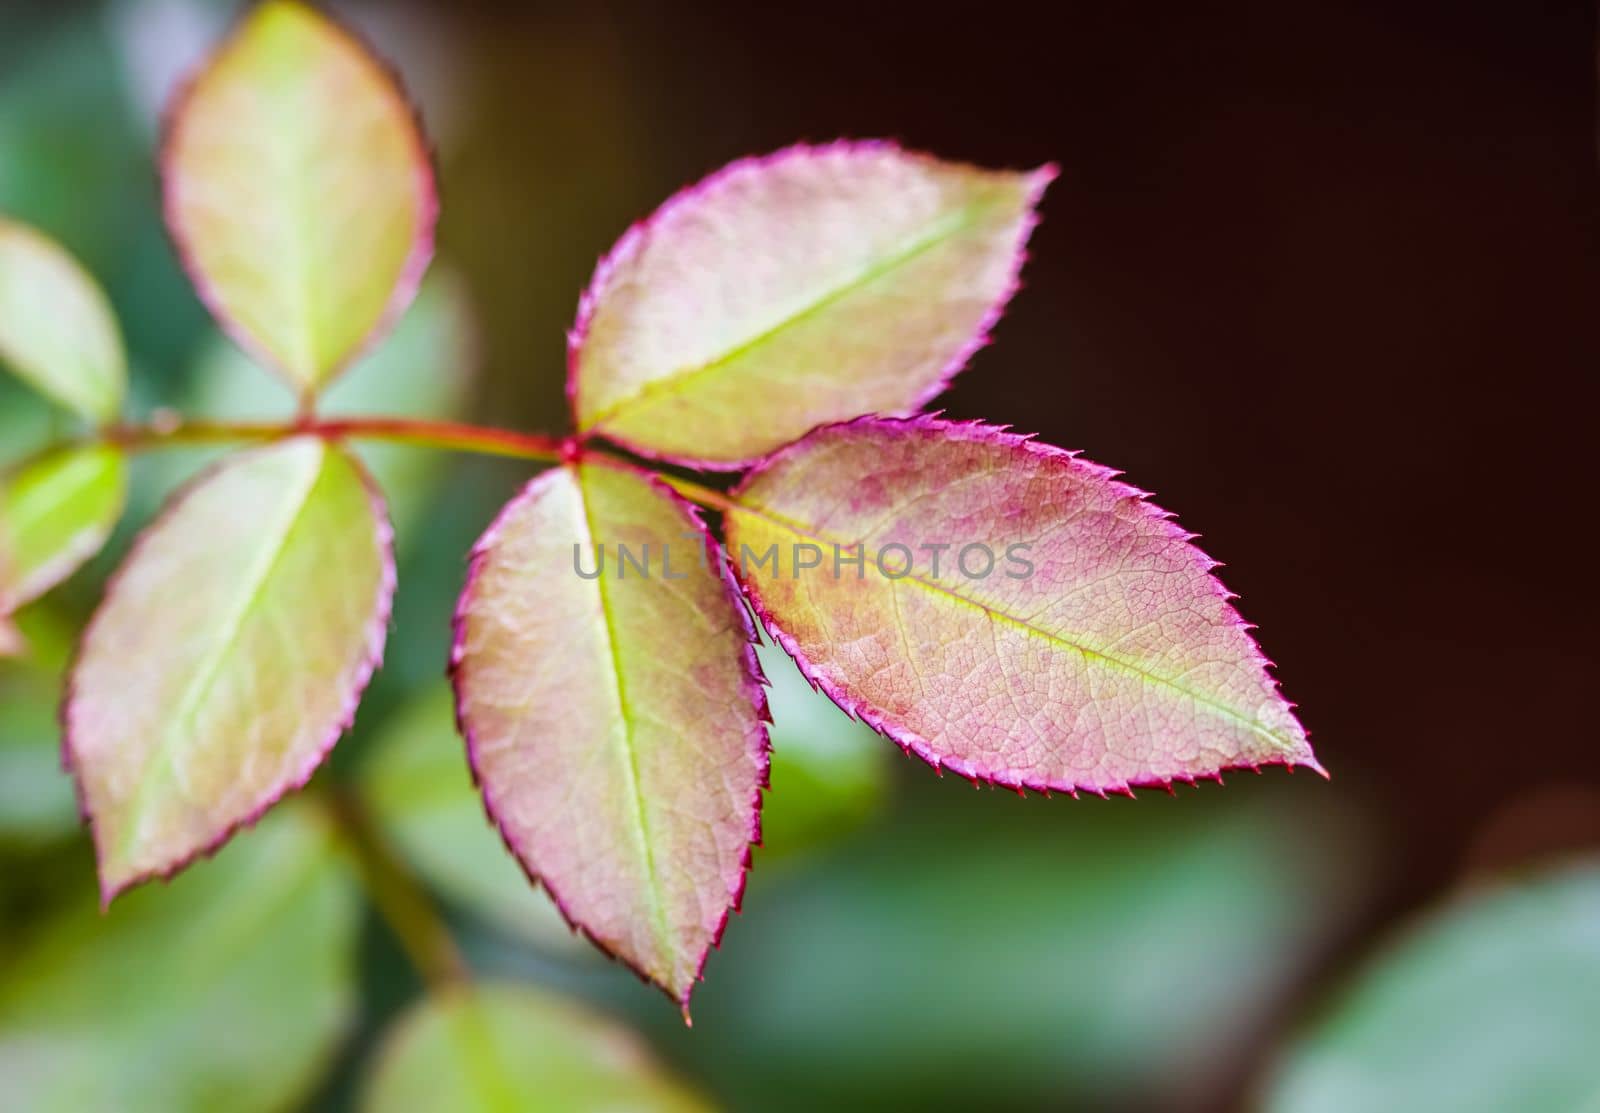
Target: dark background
1323,276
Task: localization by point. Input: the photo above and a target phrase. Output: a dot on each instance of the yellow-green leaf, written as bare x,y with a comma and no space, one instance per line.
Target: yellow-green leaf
494,1048
228,655
613,712
54,515
299,190
813,285
56,327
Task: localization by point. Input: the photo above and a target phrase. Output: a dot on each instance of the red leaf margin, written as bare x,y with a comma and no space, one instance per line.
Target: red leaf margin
913,744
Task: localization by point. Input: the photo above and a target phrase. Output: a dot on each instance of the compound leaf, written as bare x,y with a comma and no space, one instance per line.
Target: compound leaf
299,190
228,655
55,514
56,327
1068,635
614,713
501,1047
812,285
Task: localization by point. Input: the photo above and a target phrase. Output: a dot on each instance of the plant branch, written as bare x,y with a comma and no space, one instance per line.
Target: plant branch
694,492
401,900
169,429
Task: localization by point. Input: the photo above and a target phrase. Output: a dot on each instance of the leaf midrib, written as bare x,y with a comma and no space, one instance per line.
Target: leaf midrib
1088,652
941,231
205,678
658,921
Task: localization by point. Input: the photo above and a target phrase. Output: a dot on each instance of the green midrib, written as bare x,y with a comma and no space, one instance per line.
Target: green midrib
675,382
200,685
658,920
1089,652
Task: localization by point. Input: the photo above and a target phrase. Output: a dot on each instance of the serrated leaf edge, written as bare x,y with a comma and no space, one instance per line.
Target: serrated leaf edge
912,743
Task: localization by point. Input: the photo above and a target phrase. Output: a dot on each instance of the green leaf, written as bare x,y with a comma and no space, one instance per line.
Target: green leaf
424,370
36,800
984,952
228,655
55,514
499,1048
299,190
1492,1004
229,991
1012,613
830,773
615,720
56,327
417,786
812,285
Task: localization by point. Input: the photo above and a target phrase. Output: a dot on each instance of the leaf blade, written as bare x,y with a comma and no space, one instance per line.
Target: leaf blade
55,514
57,330
685,742
298,188
824,282
513,1047
1082,677
183,632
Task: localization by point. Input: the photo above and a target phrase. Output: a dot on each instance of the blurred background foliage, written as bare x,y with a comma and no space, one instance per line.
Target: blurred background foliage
1292,265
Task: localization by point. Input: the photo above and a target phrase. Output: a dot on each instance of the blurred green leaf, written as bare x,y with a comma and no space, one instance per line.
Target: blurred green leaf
57,330
37,805
70,142
503,1047
228,990
27,421
829,772
1491,1005
425,369
55,514
416,782
1067,955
